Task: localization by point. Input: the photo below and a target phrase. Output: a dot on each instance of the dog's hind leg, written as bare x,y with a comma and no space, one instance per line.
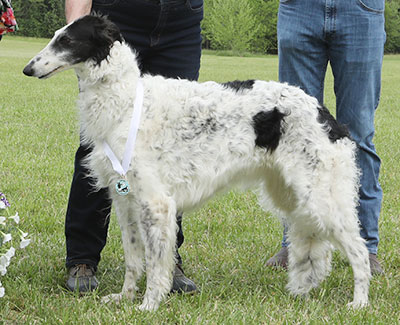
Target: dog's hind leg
309,261
327,216
334,212
323,208
133,252
158,228
342,222
309,253
353,246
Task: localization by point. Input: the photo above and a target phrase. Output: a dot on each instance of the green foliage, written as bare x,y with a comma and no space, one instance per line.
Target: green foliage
242,25
231,25
39,18
266,13
392,23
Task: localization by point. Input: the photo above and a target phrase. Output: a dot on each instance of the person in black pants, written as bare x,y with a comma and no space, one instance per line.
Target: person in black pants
166,36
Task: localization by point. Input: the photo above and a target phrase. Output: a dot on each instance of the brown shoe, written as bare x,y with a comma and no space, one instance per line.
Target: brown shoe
375,265
82,278
280,259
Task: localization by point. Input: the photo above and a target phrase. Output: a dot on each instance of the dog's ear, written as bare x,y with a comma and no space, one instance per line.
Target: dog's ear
92,37
105,34
105,30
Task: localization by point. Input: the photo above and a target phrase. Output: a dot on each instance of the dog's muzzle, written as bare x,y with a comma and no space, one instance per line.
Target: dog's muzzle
28,70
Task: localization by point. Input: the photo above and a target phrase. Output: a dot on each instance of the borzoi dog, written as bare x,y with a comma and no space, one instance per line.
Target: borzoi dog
193,140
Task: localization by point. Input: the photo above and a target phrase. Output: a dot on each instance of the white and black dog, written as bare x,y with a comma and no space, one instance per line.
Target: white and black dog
197,139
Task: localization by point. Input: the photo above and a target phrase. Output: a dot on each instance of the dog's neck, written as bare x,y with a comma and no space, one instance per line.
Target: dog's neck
121,60
107,92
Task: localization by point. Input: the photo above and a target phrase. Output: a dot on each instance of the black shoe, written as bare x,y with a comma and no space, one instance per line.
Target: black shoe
82,278
182,284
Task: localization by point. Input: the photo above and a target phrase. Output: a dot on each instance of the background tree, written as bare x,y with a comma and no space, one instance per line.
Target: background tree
266,13
392,26
231,24
39,18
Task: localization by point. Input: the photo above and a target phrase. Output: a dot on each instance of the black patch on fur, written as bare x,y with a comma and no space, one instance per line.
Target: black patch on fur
90,37
268,128
239,85
336,130
198,127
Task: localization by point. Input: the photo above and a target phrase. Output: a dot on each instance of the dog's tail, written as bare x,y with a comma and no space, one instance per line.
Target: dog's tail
335,130
268,128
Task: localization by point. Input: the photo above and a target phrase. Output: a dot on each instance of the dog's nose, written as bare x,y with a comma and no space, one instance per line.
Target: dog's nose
28,70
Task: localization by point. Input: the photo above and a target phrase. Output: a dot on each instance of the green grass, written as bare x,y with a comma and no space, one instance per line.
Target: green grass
226,242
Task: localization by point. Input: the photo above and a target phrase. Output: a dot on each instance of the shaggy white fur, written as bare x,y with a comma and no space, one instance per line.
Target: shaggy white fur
198,139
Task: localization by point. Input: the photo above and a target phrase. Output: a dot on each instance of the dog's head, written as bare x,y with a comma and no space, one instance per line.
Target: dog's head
88,38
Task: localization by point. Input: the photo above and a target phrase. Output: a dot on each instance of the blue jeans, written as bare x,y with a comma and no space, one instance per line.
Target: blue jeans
350,35
166,36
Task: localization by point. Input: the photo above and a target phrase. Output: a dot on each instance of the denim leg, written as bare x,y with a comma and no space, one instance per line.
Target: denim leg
302,48
356,54
349,34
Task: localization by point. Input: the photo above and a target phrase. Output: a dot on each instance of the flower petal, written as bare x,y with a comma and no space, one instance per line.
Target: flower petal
10,253
4,261
15,218
3,265
7,238
3,200
23,234
24,243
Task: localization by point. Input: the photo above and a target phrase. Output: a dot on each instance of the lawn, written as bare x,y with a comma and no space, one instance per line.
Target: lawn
226,242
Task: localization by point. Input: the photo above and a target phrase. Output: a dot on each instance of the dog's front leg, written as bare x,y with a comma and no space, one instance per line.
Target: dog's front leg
158,226
133,250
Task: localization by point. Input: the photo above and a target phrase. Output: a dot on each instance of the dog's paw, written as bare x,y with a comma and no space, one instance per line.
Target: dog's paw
148,305
357,304
115,298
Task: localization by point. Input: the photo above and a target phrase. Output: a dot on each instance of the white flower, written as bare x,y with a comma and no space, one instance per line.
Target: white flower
15,218
10,253
23,234
24,243
8,233
4,262
7,238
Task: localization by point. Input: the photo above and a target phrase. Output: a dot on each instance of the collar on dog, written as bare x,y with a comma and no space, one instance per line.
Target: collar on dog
122,187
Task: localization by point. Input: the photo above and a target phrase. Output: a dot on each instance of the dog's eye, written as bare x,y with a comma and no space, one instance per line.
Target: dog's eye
64,40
